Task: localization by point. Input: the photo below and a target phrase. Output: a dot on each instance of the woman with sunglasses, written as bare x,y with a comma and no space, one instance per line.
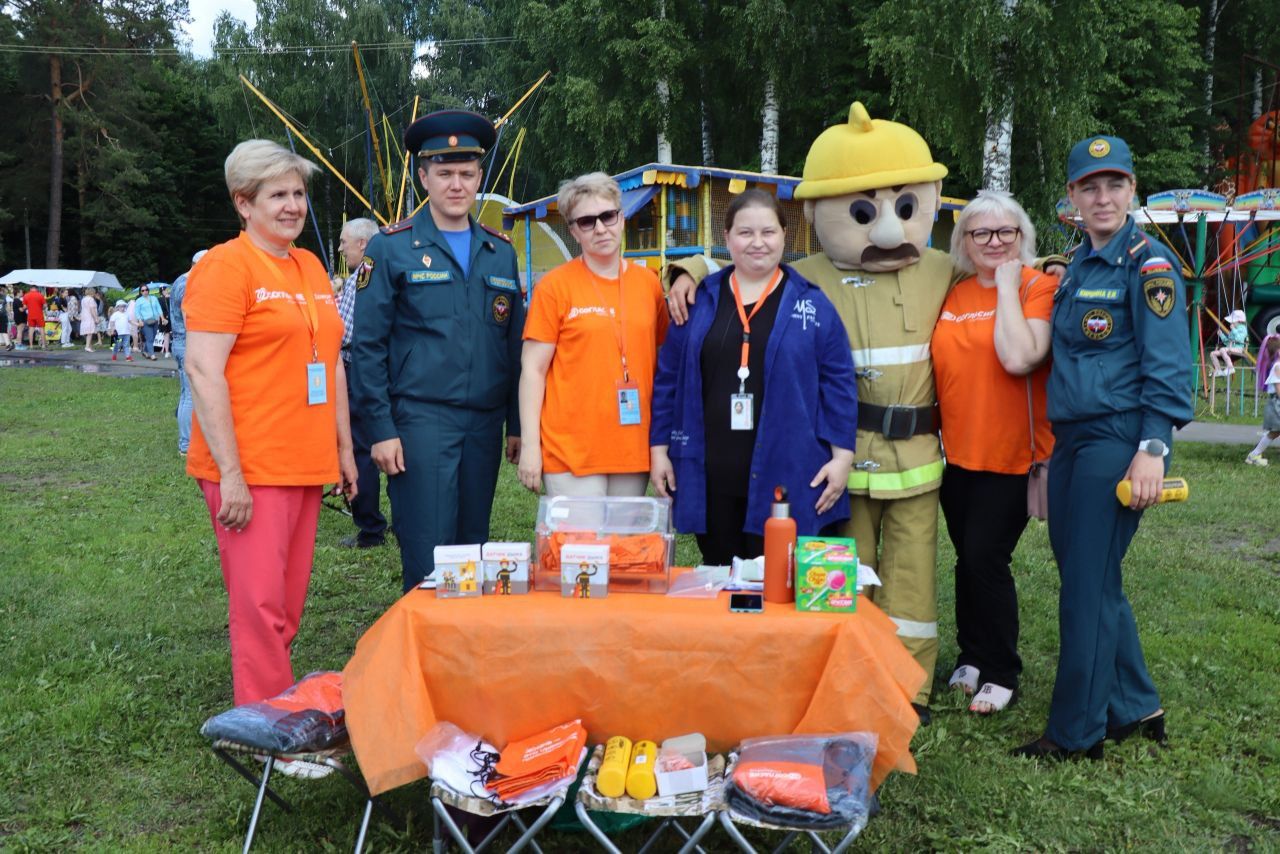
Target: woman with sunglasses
590,345
989,349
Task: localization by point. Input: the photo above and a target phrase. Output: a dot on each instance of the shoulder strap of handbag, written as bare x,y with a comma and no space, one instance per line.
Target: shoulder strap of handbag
1031,418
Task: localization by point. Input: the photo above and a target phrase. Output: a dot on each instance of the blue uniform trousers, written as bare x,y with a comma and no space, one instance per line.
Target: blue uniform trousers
1102,678
444,495
366,510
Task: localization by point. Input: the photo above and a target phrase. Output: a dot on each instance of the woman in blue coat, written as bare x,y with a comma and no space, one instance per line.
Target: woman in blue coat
756,391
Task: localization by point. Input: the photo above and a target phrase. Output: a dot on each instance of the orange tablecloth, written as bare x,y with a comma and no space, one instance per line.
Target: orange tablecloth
643,666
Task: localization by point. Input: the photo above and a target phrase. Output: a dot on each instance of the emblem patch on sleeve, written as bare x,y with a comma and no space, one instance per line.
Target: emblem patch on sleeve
363,274
1159,293
501,308
1097,324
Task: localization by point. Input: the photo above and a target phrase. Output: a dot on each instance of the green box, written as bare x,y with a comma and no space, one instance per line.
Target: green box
826,574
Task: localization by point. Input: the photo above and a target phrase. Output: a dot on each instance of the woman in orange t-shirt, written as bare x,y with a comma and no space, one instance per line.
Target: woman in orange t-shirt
591,342
271,425
989,350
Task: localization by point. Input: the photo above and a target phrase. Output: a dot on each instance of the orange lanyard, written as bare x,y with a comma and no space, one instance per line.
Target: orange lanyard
743,370
311,316
619,325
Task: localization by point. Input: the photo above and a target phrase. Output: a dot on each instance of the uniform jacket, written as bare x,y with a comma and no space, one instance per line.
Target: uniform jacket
809,405
889,318
1120,335
425,333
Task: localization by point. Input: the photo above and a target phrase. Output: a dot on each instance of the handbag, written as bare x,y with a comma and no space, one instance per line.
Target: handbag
1038,475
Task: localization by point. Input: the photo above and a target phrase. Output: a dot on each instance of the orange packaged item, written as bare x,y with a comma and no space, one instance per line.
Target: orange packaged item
539,759
636,530
804,781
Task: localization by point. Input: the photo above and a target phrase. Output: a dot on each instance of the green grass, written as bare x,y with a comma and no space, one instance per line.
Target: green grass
114,632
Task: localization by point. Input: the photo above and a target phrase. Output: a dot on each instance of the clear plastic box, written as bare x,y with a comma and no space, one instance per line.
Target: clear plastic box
637,530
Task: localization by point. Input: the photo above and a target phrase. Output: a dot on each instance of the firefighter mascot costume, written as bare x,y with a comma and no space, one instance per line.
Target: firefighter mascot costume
871,189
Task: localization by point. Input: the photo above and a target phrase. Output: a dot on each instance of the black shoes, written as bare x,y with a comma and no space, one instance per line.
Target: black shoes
1043,748
926,717
1151,727
357,541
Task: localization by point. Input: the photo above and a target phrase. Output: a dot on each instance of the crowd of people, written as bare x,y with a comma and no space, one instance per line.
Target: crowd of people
426,369
85,318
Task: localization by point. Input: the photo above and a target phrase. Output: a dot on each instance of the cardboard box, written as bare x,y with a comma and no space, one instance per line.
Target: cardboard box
690,753
584,571
506,568
457,571
826,574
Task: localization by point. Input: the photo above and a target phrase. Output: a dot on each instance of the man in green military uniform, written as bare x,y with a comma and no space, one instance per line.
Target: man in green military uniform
435,361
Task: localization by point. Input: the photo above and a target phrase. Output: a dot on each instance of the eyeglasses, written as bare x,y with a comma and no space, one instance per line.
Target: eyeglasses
1005,235
586,223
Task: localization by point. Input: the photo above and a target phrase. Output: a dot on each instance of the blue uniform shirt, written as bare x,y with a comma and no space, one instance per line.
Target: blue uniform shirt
1120,335
427,332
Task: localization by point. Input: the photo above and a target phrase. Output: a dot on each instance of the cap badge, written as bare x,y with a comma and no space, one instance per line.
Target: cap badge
453,140
1099,148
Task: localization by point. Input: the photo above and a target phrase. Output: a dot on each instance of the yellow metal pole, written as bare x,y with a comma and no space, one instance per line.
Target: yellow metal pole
408,160
662,229
705,197
368,111
500,122
278,114
511,155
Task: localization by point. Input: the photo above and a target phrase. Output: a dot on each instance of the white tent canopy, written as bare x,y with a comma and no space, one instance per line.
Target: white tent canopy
74,279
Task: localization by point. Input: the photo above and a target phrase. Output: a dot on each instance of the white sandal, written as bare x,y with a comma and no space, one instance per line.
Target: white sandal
964,677
995,696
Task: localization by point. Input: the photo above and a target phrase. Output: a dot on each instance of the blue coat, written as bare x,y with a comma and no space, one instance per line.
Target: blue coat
810,404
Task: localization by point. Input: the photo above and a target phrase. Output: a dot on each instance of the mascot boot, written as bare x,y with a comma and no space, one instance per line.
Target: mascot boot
871,190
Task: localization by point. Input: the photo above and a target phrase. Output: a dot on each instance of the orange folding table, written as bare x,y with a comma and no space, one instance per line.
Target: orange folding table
643,666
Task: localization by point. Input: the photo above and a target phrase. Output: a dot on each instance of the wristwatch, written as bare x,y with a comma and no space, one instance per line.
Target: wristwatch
1154,447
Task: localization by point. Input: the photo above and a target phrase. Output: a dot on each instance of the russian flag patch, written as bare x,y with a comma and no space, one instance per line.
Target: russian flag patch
1156,265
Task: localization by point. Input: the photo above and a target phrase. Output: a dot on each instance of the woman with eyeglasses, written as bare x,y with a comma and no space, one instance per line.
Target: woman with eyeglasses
591,342
989,361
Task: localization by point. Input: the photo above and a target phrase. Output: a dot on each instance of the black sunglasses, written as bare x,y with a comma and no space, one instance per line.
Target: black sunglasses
586,223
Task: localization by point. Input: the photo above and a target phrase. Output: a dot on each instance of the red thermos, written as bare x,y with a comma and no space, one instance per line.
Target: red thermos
780,550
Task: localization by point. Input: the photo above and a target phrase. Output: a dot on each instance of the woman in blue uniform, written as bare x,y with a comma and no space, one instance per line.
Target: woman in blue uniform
1121,381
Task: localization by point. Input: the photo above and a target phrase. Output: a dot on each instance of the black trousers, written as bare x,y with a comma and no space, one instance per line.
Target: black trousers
986,514
366,510
725,538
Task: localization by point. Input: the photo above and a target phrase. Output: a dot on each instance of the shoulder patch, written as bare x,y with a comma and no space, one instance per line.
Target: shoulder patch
495,232
1160,296
397,227
1155,264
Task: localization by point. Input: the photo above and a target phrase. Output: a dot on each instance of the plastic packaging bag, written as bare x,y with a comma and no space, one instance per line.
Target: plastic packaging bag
460,760
804,781
702,583
307,717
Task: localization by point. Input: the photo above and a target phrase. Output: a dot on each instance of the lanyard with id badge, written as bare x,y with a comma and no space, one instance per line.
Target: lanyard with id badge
317,380
741,405
628,391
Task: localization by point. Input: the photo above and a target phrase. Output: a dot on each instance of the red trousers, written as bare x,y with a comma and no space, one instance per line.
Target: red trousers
266,569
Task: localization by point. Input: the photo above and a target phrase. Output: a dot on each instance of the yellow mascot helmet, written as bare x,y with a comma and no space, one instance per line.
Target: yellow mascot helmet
866,154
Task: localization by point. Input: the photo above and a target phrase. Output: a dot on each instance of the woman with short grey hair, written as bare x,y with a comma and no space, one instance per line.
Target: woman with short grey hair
271,426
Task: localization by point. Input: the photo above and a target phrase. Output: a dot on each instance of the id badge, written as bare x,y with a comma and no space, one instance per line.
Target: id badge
741,412
317,388
628,404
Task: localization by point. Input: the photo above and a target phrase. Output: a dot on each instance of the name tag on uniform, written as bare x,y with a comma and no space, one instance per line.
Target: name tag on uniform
628,404
1100,294
429,276
502,283
317,388
741,413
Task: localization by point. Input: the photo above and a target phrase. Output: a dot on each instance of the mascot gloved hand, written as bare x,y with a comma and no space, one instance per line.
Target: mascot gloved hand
871,190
